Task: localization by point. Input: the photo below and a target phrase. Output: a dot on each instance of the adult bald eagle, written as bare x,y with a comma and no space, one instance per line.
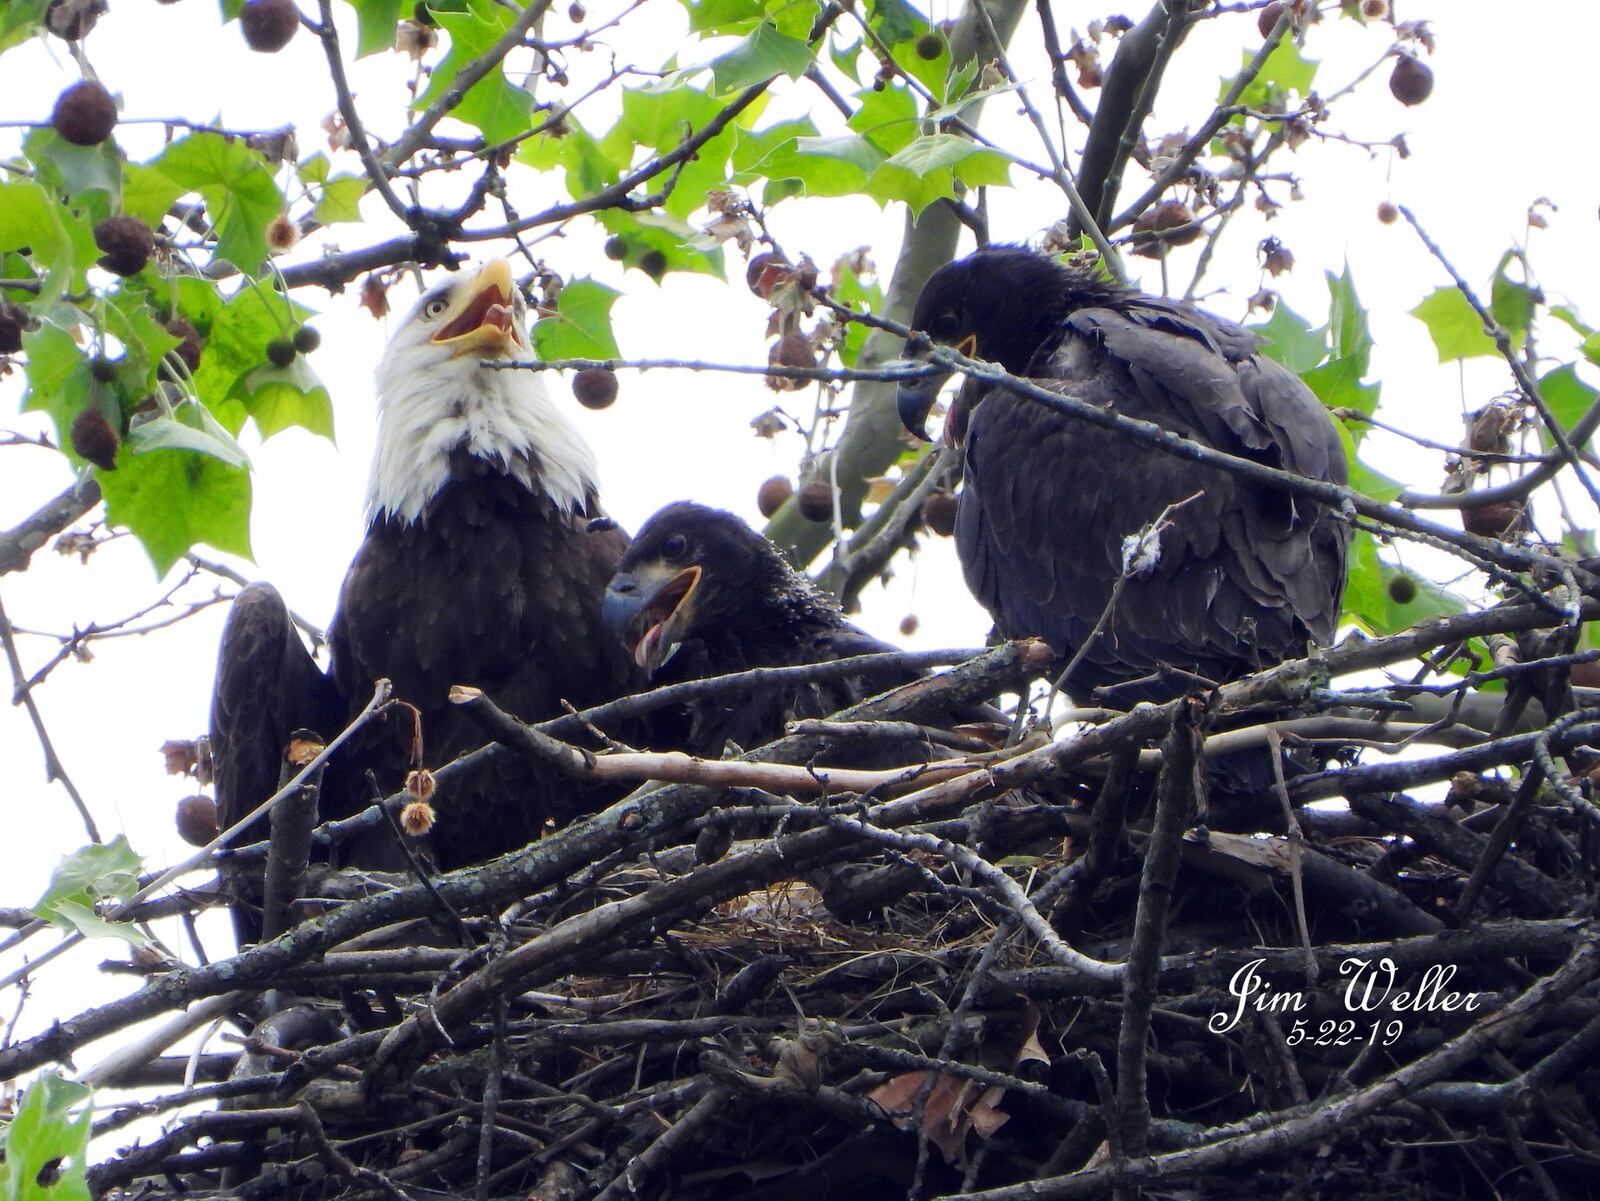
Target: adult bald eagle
1246,575
478,567
699,593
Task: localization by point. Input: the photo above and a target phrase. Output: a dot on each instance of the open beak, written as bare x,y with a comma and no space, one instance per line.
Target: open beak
649,611
914,398
482,319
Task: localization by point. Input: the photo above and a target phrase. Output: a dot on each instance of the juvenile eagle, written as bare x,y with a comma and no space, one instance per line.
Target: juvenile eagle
699,593
478,567
1246,575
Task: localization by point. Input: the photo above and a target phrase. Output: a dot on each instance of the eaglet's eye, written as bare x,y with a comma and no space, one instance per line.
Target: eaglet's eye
674,547
435,306
945,326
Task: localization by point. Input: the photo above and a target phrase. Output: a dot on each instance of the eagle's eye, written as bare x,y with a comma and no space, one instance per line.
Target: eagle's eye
674,547
436,306
944,327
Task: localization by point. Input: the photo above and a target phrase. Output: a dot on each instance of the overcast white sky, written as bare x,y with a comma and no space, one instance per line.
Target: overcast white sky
1507,124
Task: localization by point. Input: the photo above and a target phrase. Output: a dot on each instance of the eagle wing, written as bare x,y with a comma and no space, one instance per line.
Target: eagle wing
267,687
1245,576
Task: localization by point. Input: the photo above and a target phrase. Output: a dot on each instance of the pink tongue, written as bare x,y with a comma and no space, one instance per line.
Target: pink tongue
646,648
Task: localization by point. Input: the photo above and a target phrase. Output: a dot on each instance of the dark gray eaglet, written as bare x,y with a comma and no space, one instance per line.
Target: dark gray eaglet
699,593
1246,575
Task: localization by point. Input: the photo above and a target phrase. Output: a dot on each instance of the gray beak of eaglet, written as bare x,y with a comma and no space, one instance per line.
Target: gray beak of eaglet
914,397
649,611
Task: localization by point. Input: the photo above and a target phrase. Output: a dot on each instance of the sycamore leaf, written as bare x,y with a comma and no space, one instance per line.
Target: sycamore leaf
44,1132
762,55
98,872
172,500
1456,330
581,326
280,397
240,194
493,105
376,21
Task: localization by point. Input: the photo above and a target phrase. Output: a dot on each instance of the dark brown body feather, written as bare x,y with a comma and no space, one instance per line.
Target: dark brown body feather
494,587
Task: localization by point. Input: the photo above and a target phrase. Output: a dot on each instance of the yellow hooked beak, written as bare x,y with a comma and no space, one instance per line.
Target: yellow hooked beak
481,318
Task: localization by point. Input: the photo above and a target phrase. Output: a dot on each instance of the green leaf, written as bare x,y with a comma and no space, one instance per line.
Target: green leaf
888,118
724,16
1591,349
1568,396
148,193
376,22
1349,336
280,397
46,1142
932,73
818,166
1569,316
895,21
1511,304
850,288
1456,331
237,342
192,427
1337,384
1288,338
1286,70
20,20
131,319
241,197
589,166
761,56
673,239
56,238
89,176
581,327
58,377
493,104
926,170
1370,595
106,872
341,199
172,500
846,57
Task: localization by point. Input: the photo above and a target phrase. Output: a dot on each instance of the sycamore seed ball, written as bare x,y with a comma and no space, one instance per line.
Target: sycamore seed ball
815,501
189,345
763,272
306,339
84,114
939,513
654,264
280,352
616,248
1402,589
13,320
595,387
269,24
1411,81
908,625
772,494
94,440
1388,213
126,244
1269,17
197,820
929,46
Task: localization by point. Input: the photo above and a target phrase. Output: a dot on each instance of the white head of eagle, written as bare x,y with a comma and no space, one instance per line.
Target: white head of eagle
434,399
